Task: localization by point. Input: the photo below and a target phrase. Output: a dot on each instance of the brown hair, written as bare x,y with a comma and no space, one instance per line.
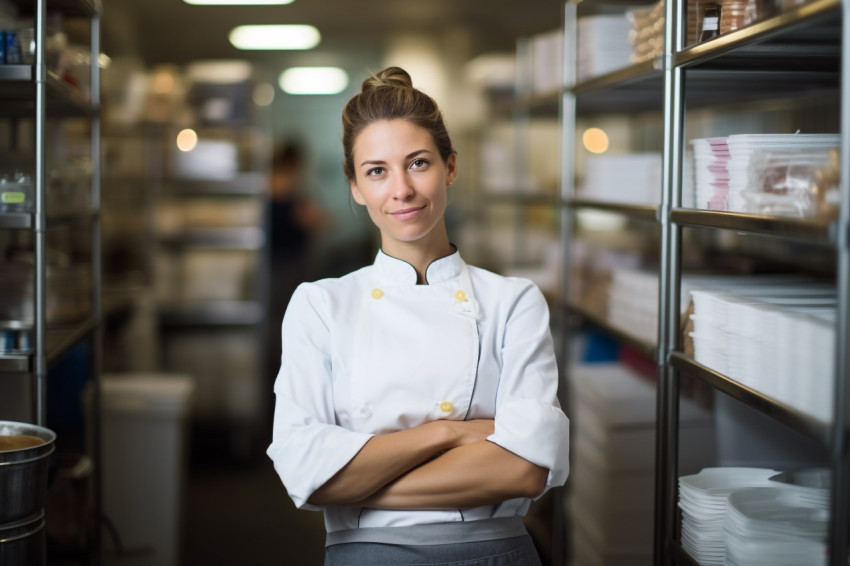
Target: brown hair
389,95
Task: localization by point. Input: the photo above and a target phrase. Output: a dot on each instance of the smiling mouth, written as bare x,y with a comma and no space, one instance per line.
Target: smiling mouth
407,213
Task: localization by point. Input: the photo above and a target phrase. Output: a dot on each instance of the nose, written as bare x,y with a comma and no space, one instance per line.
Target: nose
402,187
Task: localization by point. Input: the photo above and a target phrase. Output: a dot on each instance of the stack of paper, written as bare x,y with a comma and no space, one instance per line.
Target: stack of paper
776,338
633,178
730,172
711,176
603,45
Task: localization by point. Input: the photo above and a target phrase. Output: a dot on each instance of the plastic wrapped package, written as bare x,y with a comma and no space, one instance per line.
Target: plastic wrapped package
785,183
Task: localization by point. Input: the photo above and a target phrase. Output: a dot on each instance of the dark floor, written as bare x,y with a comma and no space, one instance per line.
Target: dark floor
238,513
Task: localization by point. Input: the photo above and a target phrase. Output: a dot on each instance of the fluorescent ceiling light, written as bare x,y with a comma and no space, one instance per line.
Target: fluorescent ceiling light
273,37
313,80
237,2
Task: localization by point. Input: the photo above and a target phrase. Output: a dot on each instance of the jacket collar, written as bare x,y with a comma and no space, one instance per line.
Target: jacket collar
398,271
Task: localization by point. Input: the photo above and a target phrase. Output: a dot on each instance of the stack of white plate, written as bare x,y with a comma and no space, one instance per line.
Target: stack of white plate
776,526
703,499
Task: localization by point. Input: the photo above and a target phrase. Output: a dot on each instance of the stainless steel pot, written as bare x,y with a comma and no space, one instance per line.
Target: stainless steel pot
22,543
23,472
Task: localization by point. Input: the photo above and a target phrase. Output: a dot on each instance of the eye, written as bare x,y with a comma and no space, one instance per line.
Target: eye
375,172
419,163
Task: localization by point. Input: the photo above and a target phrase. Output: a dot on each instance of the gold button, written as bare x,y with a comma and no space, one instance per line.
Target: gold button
377,293
447,406
461,296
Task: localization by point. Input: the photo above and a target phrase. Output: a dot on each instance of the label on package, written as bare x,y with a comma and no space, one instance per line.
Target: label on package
13,198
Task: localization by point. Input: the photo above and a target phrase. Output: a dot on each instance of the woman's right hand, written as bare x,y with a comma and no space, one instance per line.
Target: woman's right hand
469,432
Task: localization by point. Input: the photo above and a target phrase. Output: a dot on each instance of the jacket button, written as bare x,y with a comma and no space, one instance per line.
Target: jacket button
364,411
461,296
447,406
377,293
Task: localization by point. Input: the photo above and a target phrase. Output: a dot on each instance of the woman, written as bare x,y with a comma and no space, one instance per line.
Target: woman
416,399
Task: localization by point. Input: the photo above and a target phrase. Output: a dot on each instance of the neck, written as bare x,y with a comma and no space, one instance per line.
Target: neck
418,255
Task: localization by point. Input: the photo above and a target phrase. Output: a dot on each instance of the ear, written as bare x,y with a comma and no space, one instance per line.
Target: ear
356,194
451,168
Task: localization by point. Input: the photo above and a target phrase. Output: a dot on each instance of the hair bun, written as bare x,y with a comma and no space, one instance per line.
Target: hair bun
391,76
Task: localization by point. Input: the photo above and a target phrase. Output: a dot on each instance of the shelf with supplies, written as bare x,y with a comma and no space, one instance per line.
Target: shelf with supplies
757,80
813,230
50,242
643,346
73,8
794,419
63,100
803,38
637,211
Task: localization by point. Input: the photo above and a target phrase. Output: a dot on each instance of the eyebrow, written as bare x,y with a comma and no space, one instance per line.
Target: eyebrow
408,156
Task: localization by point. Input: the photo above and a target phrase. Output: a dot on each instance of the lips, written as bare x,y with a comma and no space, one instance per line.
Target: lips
407,213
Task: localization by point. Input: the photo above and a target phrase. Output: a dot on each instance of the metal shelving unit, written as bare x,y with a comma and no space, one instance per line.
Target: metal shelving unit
800,52
34,95
808,37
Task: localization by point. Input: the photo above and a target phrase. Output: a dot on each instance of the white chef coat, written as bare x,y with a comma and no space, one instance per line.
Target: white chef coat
373,352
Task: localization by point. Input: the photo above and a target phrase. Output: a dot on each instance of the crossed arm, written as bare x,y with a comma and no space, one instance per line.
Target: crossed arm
437,465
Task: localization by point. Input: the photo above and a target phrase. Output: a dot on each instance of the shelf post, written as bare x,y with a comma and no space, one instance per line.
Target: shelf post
40,223
669,277
838,535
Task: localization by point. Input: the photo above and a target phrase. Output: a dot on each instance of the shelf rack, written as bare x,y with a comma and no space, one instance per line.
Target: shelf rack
34,93
802,51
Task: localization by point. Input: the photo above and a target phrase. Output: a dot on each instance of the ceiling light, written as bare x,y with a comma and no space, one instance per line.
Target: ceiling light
237,2
274,37
313,80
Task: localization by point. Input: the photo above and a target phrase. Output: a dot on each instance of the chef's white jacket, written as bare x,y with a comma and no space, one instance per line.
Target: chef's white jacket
373,352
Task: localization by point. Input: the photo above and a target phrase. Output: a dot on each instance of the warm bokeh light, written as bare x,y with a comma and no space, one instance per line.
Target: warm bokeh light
187,140
595,140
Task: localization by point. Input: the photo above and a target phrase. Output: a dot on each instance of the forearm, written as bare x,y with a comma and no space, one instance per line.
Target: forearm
476,474
382,459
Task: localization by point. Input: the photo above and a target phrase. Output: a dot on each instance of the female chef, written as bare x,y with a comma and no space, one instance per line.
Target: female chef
416,400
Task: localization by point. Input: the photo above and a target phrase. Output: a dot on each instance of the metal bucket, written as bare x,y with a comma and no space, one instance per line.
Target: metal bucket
23,472
23,542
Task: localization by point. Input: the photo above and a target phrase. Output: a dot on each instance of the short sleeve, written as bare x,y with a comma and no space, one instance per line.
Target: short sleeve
529,420
307,447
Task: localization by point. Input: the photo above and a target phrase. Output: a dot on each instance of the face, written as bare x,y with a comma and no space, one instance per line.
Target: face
401,180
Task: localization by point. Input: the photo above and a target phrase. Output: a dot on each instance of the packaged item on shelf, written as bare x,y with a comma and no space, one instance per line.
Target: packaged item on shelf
16,192
710,22
26,43
783,183
603,45
724,168
647,31
12,48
